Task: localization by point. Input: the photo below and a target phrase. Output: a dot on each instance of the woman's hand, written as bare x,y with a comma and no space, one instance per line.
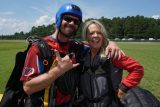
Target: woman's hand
121,94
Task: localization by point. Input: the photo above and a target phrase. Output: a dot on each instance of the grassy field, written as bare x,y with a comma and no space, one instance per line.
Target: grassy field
147,53
8,50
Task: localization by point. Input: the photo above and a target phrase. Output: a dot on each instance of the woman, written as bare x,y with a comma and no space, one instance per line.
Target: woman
95,85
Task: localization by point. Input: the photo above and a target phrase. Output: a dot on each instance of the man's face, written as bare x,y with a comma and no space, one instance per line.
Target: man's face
69,25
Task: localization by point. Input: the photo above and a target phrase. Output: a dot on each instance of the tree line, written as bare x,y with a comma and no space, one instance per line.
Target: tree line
137,27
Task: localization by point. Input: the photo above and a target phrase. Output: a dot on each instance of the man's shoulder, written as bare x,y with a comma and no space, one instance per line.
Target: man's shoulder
75,42
79,43
80,47
49,39
52,42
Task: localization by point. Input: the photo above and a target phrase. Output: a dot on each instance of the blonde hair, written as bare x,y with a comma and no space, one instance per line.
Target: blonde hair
102,29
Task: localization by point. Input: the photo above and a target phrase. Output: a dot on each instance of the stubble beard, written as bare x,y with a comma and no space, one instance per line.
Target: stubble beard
68,35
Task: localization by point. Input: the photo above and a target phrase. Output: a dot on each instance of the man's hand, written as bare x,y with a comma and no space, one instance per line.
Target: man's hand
113,51
65,63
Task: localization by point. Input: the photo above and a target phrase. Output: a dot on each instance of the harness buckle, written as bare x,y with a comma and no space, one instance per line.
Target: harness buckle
45,62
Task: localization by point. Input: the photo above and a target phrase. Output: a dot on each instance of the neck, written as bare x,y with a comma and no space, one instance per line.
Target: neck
93,53
60,36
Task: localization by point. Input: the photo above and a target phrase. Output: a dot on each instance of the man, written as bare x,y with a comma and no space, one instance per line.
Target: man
68,20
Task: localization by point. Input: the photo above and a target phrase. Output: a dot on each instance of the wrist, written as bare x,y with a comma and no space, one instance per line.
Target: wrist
123,88
55,72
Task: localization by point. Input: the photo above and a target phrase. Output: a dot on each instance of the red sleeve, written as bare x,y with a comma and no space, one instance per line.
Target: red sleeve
30,69
135,69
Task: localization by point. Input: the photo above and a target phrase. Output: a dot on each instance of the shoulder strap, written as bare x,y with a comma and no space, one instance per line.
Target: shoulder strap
47,58
44,49
111,86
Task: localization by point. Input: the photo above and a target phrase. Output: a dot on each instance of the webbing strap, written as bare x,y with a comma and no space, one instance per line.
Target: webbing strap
46,97
46,93
46,55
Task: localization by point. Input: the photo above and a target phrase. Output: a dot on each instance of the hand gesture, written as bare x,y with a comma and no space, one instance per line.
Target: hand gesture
64,64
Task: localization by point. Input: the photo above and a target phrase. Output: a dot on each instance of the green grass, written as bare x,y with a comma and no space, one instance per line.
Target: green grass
8,50
148,54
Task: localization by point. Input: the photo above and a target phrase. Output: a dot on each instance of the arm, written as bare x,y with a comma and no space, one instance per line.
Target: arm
113,51
136,72
46,79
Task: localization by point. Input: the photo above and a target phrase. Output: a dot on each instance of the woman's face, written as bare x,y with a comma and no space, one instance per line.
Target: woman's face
94,36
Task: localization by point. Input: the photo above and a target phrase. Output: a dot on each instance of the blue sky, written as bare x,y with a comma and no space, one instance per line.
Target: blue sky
21,15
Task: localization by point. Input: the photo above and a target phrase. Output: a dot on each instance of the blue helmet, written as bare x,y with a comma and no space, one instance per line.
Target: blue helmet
67,9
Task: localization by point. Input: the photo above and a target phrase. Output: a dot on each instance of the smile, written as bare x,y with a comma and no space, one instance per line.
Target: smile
95,40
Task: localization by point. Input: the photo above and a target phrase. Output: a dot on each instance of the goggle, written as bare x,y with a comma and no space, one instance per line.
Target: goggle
70,19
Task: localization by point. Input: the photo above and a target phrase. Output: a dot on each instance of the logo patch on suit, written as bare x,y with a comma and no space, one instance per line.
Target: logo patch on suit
28,71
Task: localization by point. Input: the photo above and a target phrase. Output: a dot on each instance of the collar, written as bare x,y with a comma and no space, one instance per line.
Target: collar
57,40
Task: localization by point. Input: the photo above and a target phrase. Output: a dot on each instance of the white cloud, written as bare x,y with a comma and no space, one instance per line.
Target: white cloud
44,20
10,26
38,10
156,16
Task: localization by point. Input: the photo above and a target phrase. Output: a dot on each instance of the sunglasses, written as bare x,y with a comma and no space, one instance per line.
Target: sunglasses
70,19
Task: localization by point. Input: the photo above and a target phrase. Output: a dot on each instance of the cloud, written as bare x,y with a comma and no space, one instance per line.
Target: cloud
156,16
38,10
44,20
9,26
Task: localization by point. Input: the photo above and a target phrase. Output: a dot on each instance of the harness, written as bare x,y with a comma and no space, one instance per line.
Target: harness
95,83
65,85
